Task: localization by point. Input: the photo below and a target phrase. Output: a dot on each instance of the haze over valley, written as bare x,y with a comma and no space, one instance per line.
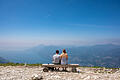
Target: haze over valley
107,55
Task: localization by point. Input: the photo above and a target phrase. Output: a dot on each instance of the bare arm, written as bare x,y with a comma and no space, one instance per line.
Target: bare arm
67,57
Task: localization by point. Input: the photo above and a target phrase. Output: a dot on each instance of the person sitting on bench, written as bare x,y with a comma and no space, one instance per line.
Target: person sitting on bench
64,59
56,58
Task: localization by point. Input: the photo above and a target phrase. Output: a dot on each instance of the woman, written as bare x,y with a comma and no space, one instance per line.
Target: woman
64,57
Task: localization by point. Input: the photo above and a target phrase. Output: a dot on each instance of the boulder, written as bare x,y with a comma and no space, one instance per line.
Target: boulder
37,77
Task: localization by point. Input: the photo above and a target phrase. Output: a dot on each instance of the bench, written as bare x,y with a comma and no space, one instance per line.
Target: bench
48,67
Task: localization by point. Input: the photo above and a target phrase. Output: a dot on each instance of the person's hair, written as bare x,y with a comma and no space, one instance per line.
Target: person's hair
64,51
57,51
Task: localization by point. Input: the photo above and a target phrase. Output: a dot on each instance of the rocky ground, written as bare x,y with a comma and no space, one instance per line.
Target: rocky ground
26,73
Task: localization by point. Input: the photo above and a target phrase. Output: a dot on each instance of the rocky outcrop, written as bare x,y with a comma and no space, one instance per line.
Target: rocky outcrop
36,73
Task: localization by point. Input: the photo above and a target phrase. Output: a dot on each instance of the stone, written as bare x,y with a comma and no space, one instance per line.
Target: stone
37,77
36,73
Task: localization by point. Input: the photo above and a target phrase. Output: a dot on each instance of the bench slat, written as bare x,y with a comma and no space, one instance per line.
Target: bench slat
53,65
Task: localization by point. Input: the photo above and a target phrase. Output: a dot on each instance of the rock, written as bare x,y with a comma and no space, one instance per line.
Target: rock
37,77
87,78
36,73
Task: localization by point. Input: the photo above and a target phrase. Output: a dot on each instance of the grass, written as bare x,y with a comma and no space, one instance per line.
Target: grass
38,64
19,64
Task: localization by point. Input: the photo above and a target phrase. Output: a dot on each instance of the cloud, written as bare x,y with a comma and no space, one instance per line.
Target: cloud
25,44
90,25
112,41
16,44
47,15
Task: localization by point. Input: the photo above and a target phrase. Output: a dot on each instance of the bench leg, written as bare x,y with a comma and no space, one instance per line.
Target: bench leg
51,68
74,69
56,68
45,69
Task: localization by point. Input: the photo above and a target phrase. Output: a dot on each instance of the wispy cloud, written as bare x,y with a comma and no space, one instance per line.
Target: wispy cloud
90,25
111,41
21,45
48,15
16,44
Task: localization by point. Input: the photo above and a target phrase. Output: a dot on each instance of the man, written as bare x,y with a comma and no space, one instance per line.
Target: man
56,58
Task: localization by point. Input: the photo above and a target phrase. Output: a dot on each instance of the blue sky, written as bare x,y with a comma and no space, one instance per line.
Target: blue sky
26,23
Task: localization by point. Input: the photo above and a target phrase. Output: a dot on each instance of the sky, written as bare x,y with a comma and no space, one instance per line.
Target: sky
27,23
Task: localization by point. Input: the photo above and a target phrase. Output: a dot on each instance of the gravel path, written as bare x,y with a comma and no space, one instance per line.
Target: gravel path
25,73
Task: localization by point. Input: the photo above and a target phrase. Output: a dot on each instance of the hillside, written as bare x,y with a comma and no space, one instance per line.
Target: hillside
2,60
85,73
99,55
107,55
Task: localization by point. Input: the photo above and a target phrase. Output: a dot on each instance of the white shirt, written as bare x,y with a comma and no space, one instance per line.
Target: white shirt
56,58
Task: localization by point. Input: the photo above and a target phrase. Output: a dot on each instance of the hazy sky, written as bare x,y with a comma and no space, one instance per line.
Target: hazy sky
26,23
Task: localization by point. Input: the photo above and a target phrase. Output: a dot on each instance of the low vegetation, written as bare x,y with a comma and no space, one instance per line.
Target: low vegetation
39,64
19,64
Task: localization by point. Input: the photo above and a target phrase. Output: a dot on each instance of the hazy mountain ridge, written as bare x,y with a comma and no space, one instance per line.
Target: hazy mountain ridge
2,60
99,55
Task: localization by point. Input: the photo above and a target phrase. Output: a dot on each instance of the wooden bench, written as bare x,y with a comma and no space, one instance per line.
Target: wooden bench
48,67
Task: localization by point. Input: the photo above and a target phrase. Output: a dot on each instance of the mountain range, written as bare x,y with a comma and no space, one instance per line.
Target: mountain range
2,60
106,55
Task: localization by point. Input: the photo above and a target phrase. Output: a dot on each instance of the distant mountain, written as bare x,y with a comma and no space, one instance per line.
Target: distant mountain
107,55
2,60
99,55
